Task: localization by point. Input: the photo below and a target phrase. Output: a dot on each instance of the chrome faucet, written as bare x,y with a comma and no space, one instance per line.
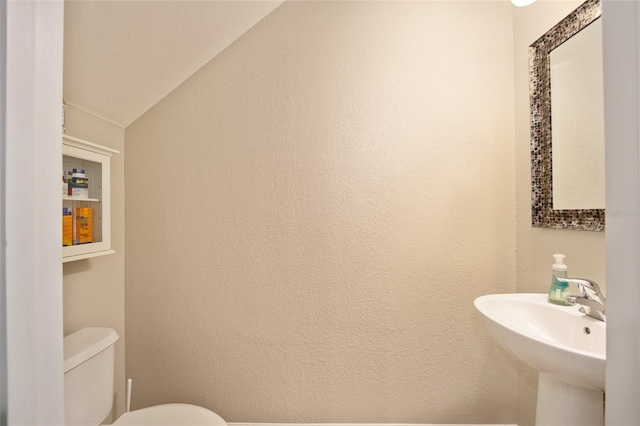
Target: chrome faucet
591,300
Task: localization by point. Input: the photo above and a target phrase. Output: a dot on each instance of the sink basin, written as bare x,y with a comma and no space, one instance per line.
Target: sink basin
567,347
553,339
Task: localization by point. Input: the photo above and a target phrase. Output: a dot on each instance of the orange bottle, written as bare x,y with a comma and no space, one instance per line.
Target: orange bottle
67,227
84,225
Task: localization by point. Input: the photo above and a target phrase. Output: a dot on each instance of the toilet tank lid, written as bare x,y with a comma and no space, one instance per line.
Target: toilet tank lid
86,343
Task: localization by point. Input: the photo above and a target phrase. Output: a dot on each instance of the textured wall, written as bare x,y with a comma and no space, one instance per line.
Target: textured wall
311,215
94,288
535,246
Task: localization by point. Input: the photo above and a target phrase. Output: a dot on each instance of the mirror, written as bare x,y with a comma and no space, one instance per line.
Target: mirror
565,77
577,117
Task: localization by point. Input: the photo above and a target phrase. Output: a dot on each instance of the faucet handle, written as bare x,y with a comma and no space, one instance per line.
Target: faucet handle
588,288
588,306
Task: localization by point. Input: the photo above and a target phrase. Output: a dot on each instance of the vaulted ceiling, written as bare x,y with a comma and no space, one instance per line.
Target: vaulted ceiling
122,57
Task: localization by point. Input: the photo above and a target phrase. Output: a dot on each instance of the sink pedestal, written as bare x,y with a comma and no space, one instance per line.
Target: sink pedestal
561,404
567,348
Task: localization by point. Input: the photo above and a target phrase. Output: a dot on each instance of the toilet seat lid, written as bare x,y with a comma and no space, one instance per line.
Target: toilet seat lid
171,415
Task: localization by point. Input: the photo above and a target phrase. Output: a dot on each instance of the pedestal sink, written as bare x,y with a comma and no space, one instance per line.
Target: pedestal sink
564,345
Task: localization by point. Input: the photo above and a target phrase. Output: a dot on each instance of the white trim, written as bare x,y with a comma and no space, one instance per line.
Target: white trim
621,21
87,255
88,146
365,424
33,206
91,200
3,167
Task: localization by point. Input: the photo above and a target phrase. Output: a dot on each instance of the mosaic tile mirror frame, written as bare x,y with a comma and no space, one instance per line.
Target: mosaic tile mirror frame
542,212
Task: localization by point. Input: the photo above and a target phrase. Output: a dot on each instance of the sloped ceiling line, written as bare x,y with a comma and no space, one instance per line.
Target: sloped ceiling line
123,57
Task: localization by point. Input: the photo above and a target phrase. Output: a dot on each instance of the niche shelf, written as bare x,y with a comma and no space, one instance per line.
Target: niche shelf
87,233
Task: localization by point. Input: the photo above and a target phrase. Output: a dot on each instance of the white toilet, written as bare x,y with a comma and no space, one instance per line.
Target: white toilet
88,387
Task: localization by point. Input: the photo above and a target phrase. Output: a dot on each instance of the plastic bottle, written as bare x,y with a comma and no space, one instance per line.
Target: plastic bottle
67,227
558,290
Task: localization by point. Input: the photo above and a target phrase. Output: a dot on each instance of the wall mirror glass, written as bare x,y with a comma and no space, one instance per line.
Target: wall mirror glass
567,123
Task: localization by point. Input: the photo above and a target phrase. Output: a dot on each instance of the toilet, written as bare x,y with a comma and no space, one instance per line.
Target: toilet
88,387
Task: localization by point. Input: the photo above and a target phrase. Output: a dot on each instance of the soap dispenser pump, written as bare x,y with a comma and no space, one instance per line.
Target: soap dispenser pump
558,290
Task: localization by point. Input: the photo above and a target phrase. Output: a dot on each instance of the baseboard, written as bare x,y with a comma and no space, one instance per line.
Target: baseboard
361,424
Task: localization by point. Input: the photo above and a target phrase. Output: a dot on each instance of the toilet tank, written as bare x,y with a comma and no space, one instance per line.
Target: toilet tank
88,375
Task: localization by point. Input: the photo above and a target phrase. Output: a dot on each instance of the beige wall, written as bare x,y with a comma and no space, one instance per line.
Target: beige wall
535,246
311,215
94,288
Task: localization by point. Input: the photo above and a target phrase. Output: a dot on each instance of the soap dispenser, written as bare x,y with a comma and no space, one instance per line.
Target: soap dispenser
558,290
